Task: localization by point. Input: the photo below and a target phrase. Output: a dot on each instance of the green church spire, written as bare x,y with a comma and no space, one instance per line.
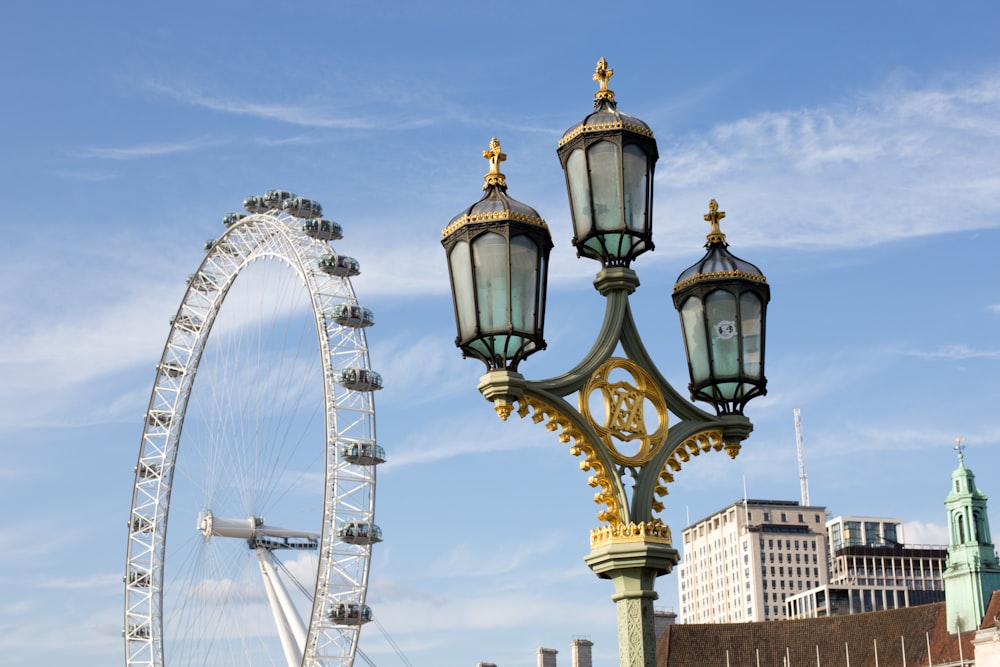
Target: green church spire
973,572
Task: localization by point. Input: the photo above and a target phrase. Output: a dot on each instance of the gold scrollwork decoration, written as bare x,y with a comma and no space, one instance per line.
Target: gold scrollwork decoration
568,433
703,441
624,414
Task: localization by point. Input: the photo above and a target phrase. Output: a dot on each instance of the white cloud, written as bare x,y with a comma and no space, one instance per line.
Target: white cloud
146,150
894,164
920,533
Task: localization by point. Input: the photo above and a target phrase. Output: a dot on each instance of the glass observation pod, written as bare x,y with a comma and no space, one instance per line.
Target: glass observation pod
225,247
202,283
359,379
352,315
359,532
349,613
340,265
324,230
272,542
186,323
231,219
161,418
138,578
362,453
255,204
275,199
141,524
147,470
138,631
301,207
170,369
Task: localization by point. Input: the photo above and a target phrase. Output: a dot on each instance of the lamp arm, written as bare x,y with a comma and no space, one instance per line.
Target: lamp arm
636,351
615,313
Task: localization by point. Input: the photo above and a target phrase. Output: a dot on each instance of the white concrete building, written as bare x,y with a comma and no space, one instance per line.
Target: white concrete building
741,563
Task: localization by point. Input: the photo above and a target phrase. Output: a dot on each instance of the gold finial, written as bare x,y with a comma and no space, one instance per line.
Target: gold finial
713,216
601,76
495,156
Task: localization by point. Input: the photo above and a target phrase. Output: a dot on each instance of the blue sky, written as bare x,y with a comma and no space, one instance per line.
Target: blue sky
853,146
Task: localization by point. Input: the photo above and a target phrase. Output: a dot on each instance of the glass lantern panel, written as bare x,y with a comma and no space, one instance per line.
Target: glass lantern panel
461,279
542,278
634,163
523,283
605,180
489,259
579,193
750,327
720,315
693,323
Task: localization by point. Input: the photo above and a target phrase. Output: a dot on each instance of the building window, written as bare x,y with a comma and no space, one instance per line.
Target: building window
783,518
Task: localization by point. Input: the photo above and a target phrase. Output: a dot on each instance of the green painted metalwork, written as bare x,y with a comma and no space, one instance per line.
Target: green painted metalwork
633,563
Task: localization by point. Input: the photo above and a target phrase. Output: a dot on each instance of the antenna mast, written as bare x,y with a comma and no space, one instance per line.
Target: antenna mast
803,482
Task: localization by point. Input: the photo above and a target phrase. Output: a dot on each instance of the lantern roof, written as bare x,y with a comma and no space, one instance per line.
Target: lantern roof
606,116
718,263
495,205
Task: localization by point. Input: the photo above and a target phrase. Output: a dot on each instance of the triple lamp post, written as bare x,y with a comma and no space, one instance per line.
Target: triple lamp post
498,251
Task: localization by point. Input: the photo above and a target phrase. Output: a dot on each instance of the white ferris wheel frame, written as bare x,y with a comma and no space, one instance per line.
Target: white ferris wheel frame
349,494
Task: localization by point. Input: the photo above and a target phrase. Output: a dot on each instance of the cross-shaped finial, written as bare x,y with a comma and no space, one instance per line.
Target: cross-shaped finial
495,156
713,216
601,76
959,446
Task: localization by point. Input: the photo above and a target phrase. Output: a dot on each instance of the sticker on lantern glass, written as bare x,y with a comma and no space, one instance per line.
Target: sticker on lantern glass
725,329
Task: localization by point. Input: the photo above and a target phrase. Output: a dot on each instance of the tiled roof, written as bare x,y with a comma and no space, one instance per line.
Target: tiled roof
835,638
992,616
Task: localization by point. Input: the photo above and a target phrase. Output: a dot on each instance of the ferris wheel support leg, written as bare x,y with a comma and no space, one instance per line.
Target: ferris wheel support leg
290,628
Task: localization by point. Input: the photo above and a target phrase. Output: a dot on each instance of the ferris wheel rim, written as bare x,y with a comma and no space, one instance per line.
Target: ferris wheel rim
277,236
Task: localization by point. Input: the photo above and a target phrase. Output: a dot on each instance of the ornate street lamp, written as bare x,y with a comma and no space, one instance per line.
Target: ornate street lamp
608,159
632,430
722,301
498,255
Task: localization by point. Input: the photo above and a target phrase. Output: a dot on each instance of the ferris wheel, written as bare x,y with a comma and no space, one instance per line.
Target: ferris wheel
270,503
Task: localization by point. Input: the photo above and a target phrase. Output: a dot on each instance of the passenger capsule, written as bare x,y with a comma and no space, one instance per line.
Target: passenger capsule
141,524
170,369
340,265
202,283
231,219
186,323
146,470
359,379
352,315
359,532
361,452
324,230
137,631
349,613
275,199
301,207
161,418
255,204
138,578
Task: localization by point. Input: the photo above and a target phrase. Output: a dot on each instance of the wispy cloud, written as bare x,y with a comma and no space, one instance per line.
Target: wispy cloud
146,150
887,165
319,113
953,352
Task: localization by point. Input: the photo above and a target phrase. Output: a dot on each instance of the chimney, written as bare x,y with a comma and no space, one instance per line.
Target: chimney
486,664
661,619
581,653
547,657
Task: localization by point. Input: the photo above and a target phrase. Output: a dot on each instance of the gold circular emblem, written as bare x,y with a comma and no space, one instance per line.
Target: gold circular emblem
624,404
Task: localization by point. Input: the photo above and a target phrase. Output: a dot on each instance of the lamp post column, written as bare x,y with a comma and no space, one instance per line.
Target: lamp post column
633,567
